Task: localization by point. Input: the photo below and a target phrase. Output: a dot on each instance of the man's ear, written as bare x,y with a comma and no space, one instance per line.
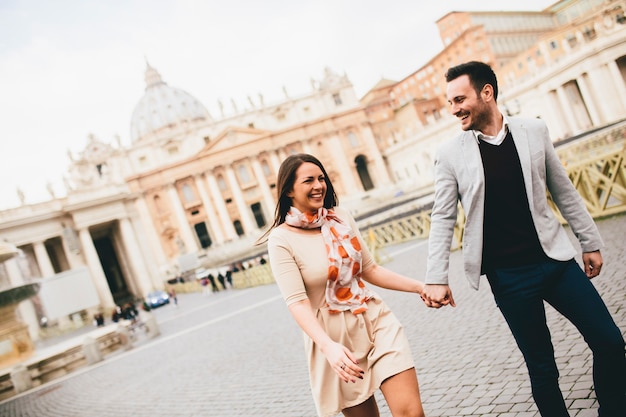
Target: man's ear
487,92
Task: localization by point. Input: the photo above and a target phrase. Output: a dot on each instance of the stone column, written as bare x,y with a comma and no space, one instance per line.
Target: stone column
268,198
14,273
149,228
619,87
244,212
216,231
555,113
43,260
71,246
340,163
135,257
222,211
183,226
567,111
589,100
26,308
153,240
95,269
275,161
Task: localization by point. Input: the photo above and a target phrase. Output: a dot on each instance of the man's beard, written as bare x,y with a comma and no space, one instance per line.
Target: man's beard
481,118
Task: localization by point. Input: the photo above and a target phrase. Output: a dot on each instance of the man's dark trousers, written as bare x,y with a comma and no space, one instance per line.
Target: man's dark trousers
520,291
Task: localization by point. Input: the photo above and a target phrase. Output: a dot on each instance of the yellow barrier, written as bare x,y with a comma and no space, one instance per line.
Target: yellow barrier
252,277
601,182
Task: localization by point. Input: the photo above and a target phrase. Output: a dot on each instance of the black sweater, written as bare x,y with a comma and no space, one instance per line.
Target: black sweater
510,238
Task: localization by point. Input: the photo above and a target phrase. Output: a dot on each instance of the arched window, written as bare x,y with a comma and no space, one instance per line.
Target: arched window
257,211
361,167
221,183
354,141
266,168
188,194
238,227
203,234
244,175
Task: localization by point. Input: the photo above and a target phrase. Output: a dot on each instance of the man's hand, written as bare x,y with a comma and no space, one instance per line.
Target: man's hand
437,295
593,263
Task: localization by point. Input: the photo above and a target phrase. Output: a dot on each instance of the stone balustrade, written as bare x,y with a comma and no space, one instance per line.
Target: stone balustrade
75,354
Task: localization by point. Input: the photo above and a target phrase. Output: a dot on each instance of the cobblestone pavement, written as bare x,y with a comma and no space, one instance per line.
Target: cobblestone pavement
239,353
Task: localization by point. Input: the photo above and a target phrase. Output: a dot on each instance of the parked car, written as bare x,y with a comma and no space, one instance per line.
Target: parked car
157,298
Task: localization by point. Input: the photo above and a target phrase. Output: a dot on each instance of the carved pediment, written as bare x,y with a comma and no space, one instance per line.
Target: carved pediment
232,137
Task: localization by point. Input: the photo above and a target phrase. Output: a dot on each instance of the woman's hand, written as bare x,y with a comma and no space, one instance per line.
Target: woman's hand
338,356
343,362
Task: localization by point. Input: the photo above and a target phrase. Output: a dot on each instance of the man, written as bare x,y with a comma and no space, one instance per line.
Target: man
499,168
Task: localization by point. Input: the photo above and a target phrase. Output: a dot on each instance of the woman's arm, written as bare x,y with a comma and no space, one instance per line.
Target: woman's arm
290,281
386,278
378,275
338,356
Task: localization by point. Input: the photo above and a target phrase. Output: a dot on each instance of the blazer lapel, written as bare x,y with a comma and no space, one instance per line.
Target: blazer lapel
473,162
522,144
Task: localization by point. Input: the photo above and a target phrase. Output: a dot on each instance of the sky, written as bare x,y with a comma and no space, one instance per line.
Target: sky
71,68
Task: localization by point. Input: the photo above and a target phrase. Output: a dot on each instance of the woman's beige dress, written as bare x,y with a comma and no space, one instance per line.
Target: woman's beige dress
300,266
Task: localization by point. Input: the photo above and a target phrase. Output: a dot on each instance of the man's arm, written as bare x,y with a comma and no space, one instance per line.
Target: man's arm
436,292
569,201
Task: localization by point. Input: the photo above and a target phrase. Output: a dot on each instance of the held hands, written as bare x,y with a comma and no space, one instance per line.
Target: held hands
437,296
593,263
343,362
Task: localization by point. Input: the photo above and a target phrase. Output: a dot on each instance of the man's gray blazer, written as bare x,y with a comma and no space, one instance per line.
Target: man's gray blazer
459,175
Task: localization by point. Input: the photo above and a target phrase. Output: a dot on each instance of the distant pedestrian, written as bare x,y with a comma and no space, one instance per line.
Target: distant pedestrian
116,315
129,312
204,282
220,278
98,319
229,278
174,297
212,281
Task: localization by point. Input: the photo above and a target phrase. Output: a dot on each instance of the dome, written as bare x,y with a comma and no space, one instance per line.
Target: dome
162,107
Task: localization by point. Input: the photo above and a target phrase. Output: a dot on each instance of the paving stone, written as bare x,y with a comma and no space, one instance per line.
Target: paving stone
238,353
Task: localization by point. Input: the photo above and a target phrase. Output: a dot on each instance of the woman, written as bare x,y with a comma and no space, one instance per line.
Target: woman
355,344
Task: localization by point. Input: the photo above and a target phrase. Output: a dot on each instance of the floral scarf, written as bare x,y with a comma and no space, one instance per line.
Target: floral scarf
344,288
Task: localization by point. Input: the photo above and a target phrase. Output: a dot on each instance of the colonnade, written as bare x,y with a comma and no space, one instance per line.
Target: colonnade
593,97
132,257
220,221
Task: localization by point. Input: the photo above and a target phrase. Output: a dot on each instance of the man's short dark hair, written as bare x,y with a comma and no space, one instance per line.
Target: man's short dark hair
479,75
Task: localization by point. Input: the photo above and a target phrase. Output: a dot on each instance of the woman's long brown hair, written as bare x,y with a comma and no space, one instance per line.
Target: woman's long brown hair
284,184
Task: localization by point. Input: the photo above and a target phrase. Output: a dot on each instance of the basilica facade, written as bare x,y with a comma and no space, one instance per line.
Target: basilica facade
194,189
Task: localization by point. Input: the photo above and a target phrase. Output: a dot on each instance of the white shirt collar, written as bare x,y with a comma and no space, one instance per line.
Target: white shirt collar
497,139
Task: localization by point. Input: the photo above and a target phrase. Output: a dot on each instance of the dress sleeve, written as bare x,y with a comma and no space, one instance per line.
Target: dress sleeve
285,269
